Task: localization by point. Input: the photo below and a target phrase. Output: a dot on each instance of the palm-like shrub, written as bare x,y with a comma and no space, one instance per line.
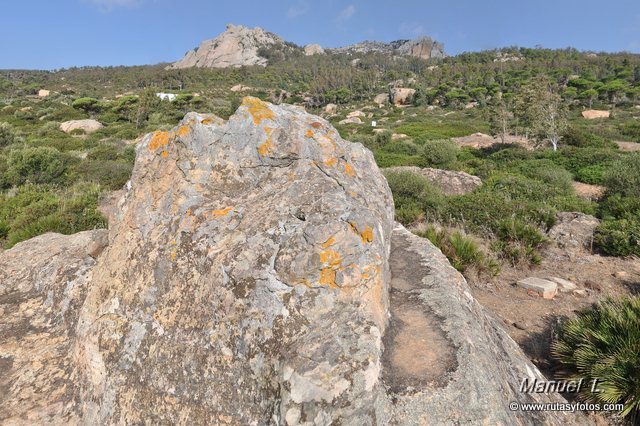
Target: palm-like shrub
603,343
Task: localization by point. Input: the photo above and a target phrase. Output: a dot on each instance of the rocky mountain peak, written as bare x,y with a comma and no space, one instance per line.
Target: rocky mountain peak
237,46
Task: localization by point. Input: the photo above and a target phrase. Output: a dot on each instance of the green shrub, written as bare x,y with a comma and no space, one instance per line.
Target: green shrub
546,171
439,153
389,159
618,237
7,135
623,177
414,196
593,175
462,251
617,206
603,343
32,210
89,105
575,136
407,148
36,165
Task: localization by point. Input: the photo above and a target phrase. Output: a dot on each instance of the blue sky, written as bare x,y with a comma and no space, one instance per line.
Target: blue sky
49,34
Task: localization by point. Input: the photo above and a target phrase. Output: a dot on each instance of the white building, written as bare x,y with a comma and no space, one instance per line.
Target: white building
166,96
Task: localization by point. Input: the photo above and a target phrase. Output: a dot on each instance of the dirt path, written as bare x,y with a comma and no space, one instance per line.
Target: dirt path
418,353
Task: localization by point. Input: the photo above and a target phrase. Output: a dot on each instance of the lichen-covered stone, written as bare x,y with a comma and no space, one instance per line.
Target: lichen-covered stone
246,278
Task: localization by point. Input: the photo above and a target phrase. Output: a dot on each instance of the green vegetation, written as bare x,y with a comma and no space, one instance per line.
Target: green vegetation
603,343
462,251
455,97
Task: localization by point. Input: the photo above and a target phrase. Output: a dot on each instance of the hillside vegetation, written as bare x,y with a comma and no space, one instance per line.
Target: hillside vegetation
51,181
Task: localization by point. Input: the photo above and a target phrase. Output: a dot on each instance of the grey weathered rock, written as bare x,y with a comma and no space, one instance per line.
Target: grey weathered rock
450,181
401,95
381,99
246,281
313,49
88,125
331,108
351,120
452,363
594,113
237,46
564,286
545,288
573,232
282,183
421,47
43,284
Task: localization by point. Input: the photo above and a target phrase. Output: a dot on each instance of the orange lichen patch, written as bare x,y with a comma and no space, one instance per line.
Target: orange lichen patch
183,131
173,255
207,121
348,169
309,133
258,109
267,146
331,258
328,277
366,234
327,243
316,125
165,154
222,212
330,162
159,139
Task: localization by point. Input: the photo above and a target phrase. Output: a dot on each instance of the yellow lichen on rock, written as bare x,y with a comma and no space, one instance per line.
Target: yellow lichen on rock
328,277
165,154
258,109
159,139
183,131
330,162
366,235
331,258
267,146
348,169
329,242
222,212
207,121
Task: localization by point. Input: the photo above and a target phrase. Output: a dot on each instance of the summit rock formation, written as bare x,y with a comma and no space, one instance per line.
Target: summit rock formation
240,46
237,46
252,274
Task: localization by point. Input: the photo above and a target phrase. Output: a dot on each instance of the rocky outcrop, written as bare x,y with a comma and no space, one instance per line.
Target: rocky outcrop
313,49
253,275
87,126
43,285
594,113
237,46
421,47
401,95
451,182
381,99
573,232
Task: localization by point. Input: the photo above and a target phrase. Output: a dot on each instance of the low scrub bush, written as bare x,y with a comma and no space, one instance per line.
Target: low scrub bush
462,251
603,343
440,154
618,237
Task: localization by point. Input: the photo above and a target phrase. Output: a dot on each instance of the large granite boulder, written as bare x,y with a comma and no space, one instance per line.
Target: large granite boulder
249,278
87,126
401,95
